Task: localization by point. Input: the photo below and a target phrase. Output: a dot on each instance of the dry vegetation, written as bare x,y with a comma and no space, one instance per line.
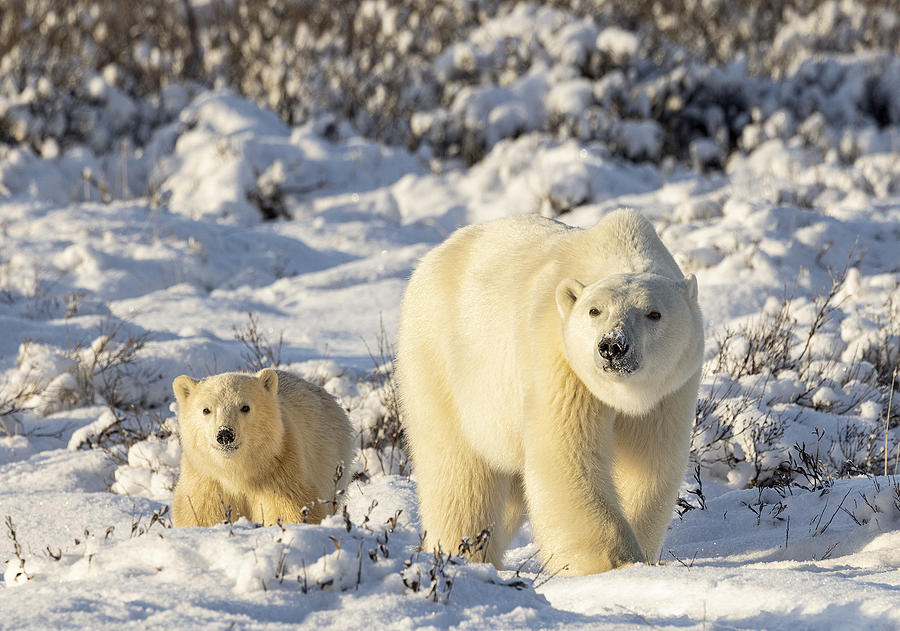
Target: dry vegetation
740,419
384,438
371,63
717,29
258,352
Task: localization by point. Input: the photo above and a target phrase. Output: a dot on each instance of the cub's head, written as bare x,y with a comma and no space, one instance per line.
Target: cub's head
231,416
631,338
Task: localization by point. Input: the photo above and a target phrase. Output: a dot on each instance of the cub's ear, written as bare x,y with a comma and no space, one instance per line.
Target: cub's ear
567,292
269,379
183,386
690,287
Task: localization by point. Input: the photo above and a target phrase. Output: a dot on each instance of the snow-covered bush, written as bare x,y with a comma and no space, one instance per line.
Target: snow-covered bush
766,34
377,414
152,465
881,509
106,370
90,72
648,79
775,381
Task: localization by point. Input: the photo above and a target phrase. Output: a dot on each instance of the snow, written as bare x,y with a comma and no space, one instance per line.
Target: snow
124,266
619,43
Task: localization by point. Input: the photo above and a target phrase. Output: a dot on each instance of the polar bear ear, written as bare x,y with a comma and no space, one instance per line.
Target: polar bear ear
183,386
269,379
690,286
567,292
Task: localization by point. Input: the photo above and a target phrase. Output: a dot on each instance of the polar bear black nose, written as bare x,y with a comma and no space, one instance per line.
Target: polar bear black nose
225,436
612,348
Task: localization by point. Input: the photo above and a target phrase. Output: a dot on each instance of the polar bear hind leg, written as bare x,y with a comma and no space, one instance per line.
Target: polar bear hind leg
460,495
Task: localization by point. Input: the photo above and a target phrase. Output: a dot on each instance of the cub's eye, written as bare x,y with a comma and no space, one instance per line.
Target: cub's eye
594,312
654,315
245,408
206,411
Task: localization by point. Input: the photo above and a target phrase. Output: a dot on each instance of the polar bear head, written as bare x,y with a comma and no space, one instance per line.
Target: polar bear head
229,417
631,338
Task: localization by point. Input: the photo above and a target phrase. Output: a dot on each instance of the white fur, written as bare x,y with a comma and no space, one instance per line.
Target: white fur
508,407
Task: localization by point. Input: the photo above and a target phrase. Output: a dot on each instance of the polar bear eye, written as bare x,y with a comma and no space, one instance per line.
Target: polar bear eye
594,312
206,411
245,408
654,315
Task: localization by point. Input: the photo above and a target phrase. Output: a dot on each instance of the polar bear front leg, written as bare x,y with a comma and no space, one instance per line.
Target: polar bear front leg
268,507
198,500
572,503
651,462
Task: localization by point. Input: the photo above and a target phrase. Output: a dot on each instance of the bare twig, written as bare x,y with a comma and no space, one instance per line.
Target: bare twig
258,351
887,419
17,548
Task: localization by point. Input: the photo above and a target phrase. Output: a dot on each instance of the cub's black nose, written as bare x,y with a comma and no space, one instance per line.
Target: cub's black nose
612,347
225,436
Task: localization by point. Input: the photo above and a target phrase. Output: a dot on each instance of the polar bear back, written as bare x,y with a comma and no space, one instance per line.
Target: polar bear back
321,430
515,250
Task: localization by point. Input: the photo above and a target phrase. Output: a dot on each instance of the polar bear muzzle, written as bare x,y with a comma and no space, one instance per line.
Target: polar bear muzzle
616,353
226,440
613,346
225,436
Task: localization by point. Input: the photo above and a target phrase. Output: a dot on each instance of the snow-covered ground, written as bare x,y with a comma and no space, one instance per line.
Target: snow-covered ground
122,270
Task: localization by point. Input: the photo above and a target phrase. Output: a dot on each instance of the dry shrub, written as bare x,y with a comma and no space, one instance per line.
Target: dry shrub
718,29
12,404
258,352
301,59
131,426
371,63
736,423
108,367
385,438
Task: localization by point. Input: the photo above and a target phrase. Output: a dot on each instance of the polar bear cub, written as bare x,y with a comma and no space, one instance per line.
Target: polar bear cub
551,371
264,447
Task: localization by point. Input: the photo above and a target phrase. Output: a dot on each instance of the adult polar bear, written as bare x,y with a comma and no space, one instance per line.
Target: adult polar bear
555,371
